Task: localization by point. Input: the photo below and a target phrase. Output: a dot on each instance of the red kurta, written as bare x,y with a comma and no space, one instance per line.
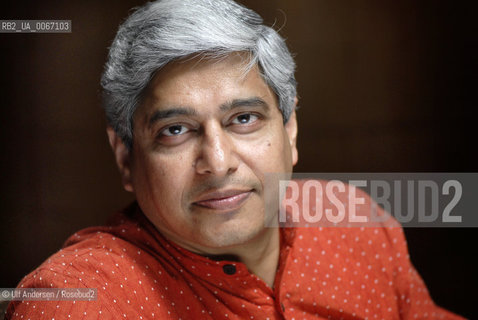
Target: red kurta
324,273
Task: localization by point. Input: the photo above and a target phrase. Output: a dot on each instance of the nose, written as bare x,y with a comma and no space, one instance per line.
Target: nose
217,154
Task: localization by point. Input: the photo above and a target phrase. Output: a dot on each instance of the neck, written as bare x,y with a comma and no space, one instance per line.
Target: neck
260,255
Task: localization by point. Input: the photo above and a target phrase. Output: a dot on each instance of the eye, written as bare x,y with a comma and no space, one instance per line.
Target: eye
174,130
245,118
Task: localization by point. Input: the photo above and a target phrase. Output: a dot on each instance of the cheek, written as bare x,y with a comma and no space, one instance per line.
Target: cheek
280,154
271,154
159,178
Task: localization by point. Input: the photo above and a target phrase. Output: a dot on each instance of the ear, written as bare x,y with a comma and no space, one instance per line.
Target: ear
122,156
291,128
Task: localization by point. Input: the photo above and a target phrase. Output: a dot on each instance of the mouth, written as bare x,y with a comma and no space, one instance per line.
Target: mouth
225,200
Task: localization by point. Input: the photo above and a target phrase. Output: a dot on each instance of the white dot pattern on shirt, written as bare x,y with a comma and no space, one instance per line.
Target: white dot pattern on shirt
324,257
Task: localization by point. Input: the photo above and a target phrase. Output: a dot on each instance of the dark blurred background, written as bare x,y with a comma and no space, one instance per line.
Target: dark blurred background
385,86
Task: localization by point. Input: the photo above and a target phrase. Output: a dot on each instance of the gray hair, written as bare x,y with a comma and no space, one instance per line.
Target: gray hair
167,30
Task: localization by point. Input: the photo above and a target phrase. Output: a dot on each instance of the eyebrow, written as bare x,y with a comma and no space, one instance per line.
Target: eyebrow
186,111
170,113
248,102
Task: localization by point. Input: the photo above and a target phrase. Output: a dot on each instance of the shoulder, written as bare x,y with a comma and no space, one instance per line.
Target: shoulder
119,261
76,266
343,220
323,203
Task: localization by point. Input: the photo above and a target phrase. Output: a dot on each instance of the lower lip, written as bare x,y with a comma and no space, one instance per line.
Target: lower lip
225,204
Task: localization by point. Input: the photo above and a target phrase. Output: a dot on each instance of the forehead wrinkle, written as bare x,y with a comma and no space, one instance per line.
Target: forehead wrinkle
194,69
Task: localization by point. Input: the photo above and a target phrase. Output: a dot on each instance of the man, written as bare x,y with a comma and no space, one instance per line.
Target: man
200,100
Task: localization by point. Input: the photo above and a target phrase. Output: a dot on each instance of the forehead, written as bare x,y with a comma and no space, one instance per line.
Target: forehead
201,83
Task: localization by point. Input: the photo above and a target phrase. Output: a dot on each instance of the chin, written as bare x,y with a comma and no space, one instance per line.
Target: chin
231,235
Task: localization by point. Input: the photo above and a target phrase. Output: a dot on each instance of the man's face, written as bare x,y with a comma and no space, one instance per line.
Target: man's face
204,137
